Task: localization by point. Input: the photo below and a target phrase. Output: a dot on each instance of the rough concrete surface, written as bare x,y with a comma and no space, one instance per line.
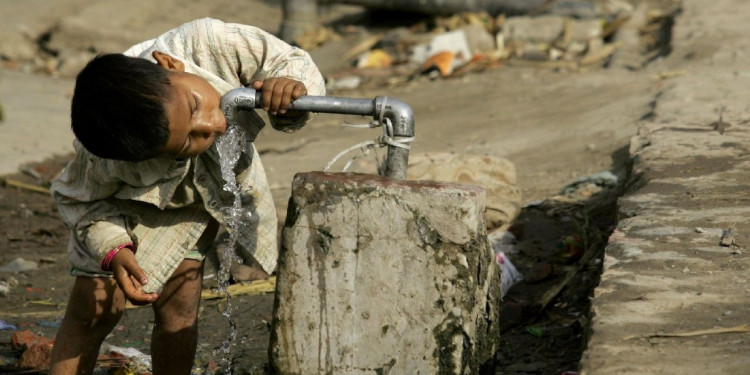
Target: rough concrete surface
431,258
669,290
677,262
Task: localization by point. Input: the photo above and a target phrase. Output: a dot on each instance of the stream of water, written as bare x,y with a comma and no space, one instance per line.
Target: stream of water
230,146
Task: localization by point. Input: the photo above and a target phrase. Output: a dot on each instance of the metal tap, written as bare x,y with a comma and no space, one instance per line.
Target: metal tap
399,113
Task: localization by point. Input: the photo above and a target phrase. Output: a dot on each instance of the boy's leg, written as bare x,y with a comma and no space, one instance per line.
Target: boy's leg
175,334
94,308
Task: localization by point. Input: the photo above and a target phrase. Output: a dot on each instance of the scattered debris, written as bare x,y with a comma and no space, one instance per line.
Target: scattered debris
713,331
503,245
35,349
25,186
375,58
256,287
720,125
6,284
604,179
452,45
349,82
137,362
19,265
727,238
7,326
509,275
663,76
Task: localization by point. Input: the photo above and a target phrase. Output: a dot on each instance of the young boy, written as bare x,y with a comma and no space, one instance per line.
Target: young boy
143,197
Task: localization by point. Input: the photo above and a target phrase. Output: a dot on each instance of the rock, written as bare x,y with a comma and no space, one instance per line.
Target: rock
533,30
19,265
36,349
496,175
36,356
350,82
479,40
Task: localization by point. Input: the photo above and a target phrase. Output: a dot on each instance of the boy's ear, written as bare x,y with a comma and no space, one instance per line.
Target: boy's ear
168,62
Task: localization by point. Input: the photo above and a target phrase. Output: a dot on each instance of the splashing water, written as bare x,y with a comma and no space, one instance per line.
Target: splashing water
230,145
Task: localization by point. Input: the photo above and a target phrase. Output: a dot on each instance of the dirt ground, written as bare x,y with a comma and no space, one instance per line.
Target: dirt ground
555,125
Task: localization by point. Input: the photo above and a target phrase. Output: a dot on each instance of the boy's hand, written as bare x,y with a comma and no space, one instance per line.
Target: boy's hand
278,93
131,278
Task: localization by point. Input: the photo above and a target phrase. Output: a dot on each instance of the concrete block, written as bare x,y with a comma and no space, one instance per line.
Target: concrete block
533,30
382,276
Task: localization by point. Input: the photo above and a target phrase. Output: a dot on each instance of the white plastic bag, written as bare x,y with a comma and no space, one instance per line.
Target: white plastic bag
503,244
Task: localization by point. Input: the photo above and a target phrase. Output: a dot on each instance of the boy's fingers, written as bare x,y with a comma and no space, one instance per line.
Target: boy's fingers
136,272
279,93
263,88
277,96
268,87
136,295
131,279
287,96
299,90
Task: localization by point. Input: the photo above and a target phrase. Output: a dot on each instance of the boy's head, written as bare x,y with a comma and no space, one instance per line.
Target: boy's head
128,108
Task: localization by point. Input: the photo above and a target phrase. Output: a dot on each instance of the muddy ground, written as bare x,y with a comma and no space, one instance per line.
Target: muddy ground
543,331
555,125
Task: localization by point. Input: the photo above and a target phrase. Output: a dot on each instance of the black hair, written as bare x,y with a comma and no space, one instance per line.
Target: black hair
117,111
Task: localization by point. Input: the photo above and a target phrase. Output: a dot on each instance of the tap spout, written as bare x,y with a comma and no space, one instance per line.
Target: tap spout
400,114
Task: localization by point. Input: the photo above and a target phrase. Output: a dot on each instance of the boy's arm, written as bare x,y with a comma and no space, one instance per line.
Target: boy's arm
262,58
242,54
83,192
96,223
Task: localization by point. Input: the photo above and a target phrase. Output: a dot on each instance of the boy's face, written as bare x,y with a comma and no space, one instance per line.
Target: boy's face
194,112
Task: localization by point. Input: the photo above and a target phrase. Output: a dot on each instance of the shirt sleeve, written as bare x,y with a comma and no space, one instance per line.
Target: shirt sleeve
262,56
240,54
83,192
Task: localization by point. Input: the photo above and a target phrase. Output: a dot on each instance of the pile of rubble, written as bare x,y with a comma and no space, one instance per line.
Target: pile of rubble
466,42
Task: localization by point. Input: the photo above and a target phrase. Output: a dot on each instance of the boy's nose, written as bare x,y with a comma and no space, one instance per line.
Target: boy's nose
216,124
221,123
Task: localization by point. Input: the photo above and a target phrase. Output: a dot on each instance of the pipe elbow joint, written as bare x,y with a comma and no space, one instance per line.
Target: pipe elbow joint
400,114
241,97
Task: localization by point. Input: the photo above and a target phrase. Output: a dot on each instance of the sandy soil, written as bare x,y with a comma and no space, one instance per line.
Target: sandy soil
555,125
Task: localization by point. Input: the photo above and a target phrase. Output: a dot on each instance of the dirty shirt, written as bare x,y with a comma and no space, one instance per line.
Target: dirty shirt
164,205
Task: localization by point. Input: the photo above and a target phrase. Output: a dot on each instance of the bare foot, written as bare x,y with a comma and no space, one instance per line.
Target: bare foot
247,272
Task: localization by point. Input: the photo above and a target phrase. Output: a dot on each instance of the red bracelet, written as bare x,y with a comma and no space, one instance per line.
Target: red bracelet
107,261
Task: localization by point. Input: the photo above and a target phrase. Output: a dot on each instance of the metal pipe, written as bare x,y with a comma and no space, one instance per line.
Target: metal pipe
399,113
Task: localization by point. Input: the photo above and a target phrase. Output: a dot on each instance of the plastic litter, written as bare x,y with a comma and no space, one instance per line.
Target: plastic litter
603,179
503,241
453,42
503,244
509,275
7,326
138,360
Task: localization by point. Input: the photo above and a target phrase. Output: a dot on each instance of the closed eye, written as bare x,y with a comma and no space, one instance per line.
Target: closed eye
196,103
